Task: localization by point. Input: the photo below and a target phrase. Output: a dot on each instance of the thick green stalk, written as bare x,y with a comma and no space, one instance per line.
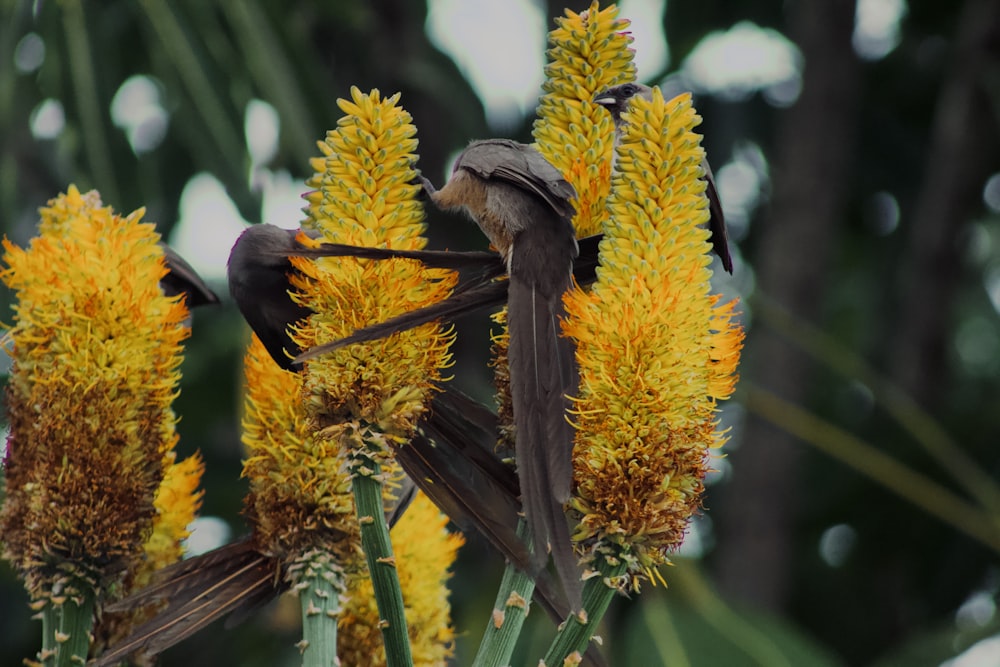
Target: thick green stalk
67,621
366,480
320,585
509,611
575,633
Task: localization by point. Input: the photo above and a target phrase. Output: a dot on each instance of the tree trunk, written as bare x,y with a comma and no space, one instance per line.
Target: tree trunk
962,150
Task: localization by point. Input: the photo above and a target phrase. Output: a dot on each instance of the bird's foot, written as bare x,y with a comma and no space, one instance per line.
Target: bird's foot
427,189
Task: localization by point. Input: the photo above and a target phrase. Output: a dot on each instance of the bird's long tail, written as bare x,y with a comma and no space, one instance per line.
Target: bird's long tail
234,579
540,377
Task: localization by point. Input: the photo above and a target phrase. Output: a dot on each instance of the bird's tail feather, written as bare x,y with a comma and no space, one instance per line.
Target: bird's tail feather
438,259
543,438
479,489
461,302
197,592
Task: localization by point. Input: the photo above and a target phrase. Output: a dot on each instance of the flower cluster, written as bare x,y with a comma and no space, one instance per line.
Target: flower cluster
310,434
656,351
590,53
364,196
96,347
300,491
177,502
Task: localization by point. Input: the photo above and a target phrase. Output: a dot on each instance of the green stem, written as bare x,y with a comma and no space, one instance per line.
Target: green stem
66,627
509,611
366,481
575,633
321,587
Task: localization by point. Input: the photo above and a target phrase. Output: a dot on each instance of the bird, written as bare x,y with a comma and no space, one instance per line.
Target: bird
259,272
616,101
259,269
524,206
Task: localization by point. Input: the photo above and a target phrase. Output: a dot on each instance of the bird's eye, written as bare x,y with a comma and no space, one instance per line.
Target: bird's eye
629,90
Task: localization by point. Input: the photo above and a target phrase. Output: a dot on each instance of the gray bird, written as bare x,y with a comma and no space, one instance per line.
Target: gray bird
616,101
259,271
524,206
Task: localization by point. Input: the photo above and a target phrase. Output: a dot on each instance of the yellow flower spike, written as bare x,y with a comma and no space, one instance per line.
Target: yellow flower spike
366,399
589,54
177,503
425,551
300,491
364,196
655,350
96,347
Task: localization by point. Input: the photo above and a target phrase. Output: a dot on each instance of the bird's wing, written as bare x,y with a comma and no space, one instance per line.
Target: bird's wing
521,166
197,592
183,279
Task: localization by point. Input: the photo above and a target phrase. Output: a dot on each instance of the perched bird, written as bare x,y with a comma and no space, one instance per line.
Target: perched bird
616,101
524,207
183,279
260,258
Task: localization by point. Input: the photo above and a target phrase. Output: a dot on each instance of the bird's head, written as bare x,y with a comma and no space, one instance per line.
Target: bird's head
616,99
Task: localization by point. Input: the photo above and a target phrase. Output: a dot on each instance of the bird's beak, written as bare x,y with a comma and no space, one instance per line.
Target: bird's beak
604,100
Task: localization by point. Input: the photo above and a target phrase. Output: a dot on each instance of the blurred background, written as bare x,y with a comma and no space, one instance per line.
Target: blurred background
855,516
